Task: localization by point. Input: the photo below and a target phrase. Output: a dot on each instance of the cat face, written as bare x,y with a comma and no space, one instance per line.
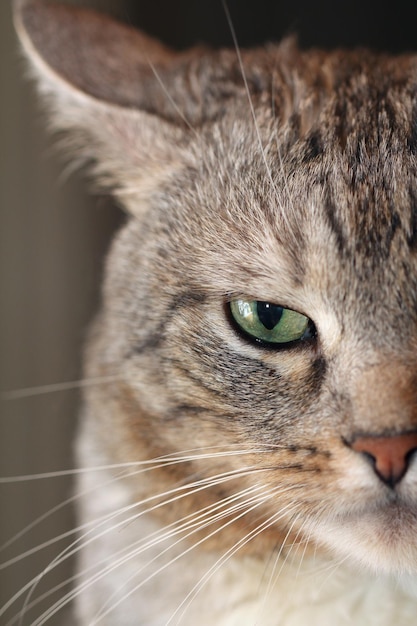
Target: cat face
346,262
268,186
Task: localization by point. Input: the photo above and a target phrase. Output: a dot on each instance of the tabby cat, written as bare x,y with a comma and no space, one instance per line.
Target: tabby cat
252,456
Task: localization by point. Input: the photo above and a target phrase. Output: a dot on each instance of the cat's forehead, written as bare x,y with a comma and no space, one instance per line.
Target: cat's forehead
307,182
337,130
336,118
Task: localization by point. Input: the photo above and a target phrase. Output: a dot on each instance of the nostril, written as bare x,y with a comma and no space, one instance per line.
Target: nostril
390,455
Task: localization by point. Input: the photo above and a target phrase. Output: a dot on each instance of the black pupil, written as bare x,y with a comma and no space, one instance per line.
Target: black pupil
269,314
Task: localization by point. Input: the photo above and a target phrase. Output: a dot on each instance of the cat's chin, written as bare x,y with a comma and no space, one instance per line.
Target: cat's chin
383,541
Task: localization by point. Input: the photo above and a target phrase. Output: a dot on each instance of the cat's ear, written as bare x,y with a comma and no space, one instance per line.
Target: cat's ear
101,80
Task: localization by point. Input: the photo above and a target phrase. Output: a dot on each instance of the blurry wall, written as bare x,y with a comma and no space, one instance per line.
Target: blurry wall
53,237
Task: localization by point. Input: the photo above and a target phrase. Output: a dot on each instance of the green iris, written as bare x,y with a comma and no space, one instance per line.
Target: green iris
270,323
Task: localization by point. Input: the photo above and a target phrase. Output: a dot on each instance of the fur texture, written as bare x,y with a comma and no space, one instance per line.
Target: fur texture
245,484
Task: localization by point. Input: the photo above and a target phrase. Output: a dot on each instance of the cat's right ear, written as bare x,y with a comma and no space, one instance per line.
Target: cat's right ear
101,80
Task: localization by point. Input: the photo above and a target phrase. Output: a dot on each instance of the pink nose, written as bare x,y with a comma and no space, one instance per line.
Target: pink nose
390,456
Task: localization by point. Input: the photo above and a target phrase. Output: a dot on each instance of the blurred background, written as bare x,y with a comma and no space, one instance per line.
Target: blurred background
53,236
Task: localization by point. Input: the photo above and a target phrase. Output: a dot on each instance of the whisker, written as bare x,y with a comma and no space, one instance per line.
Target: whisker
36,549
331,568
149,465
306,542
198,135
45,516
197,523
178,526
181,492
71,595
40,390
274,576
188,550
230,553
170,98
17,619
253,113
225,513
163,460
279,152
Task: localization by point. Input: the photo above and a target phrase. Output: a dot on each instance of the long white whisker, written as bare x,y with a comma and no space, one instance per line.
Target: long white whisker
149,465
197,522
163,460
306,541
180,492
46,516
144,543
273,519
169,96
31,392
279,152
207,537
18,618
189,521
252,109
274,575
69,597
331,568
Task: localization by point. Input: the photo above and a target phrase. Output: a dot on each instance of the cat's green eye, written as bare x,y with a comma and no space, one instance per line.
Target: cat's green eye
270,323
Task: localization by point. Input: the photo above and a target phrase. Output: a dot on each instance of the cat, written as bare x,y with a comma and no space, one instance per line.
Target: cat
251,458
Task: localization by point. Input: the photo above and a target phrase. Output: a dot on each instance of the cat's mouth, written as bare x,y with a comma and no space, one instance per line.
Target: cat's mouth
381,535
393,510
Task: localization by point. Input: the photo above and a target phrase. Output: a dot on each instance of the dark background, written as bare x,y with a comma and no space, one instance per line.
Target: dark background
381,25
53,236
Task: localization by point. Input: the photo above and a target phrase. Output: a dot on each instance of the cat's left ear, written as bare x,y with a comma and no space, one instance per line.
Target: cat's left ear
103,81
